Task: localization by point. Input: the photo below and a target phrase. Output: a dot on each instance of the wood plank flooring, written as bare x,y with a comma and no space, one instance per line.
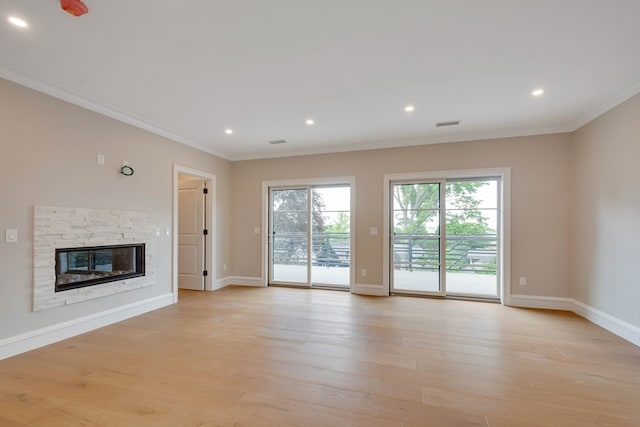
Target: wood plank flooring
293,357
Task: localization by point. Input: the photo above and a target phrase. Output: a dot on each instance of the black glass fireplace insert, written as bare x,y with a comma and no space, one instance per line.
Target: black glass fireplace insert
87,266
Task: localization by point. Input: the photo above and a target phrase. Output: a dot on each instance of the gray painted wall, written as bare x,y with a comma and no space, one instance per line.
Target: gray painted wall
48,158
606,212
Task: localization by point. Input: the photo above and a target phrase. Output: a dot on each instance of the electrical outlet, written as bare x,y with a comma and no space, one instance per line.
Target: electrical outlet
523,281
100,159
224,267
11,235
363,272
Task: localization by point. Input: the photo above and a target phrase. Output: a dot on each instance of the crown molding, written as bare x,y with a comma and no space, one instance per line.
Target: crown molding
102,108
612,102
405,142
68,95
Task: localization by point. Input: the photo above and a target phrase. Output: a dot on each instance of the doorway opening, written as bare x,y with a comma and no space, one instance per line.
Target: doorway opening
193,230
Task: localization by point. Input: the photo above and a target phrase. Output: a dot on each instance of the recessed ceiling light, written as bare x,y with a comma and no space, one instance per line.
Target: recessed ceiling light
228,131
409,108
309,122
18,22
537,92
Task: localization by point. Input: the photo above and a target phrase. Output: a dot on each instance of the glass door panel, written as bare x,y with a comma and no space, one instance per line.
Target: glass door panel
472,238
290,236
416,241
331,235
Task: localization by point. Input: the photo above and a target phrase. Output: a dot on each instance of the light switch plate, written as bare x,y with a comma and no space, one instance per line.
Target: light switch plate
11,235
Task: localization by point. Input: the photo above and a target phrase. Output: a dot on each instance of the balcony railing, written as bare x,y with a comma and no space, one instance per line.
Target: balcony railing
464,253
327,249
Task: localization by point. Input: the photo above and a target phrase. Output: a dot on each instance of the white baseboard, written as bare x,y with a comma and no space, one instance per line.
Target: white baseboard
243,281
534,301
220,283
34,339
366,289
39,338
612,324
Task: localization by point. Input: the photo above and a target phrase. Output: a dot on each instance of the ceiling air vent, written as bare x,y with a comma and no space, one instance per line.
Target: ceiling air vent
451,123
278,141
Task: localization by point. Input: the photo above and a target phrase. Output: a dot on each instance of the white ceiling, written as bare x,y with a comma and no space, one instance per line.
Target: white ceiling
189,69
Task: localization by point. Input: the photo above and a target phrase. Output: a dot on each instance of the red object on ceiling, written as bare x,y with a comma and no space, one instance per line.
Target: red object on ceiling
74,7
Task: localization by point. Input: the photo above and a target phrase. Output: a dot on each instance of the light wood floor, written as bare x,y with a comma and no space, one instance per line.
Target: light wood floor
291,357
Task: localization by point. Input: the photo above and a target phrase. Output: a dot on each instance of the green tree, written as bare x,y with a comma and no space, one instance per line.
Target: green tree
290,221
340,225
463,216
416,207
336,233
416,215
290,211
466,228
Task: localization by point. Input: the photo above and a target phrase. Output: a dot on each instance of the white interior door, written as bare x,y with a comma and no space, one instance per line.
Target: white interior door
191,237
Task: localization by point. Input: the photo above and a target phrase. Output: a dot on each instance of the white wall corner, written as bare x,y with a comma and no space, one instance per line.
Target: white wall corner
219,284
39,338
611,323
541,302
222,283
367,289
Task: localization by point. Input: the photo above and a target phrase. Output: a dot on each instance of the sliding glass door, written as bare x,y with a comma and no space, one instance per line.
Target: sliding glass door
472,237
445,237
331,235
290,235
310,236
416,238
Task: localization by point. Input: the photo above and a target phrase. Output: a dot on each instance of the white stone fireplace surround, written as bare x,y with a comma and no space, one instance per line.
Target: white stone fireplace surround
64,227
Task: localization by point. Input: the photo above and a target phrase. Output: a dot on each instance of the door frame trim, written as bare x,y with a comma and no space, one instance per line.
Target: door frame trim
211,221
505,206
264,256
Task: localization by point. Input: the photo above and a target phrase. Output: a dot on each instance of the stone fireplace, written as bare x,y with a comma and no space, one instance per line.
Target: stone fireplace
82,254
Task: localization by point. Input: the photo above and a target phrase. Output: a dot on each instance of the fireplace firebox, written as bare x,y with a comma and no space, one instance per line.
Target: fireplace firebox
87,266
